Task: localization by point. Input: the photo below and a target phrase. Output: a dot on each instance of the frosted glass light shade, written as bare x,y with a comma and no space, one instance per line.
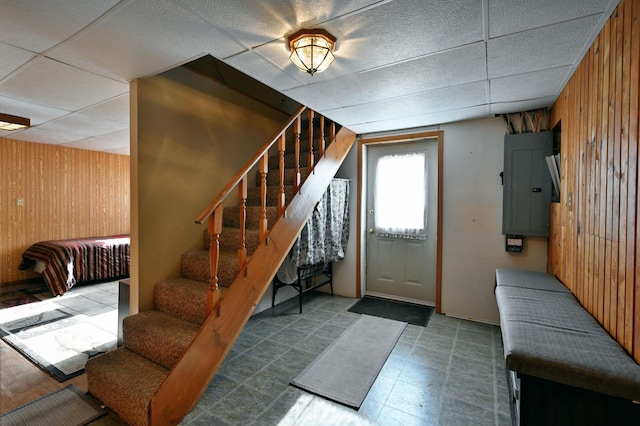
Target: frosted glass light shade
312,50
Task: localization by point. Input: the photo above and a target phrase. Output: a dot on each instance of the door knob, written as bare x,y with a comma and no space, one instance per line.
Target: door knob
371,230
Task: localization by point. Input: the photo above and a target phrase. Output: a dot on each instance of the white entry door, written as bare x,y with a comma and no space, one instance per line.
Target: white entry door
402,220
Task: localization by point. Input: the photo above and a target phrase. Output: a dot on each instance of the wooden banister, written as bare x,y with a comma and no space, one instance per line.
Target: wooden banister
190,376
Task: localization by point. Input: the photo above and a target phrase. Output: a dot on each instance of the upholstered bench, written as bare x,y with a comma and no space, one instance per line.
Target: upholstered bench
563,367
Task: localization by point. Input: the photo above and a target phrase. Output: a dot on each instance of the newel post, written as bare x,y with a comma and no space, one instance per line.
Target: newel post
214,228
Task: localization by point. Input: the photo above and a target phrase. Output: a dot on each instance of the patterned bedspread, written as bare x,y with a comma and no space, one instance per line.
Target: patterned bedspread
67,262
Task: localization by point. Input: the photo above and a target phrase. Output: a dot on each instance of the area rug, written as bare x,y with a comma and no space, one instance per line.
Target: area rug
345,371
57,339
66,406
391,309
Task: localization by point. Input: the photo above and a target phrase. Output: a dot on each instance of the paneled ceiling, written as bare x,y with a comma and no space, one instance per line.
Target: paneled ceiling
67,64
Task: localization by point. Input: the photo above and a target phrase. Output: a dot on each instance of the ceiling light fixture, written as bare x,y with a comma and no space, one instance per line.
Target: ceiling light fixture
12,122
312,50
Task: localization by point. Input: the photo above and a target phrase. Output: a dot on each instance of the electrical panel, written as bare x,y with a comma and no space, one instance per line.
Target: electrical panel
526,184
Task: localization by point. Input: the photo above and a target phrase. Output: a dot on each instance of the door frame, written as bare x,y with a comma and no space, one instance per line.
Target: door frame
363,144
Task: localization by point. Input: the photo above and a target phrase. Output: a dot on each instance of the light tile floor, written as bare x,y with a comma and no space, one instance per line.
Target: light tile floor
448,373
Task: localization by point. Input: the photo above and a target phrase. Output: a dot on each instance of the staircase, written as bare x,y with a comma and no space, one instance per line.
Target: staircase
171,353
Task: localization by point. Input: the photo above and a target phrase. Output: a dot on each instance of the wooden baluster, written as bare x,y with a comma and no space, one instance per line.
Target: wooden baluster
214,229
310,162
282,143
321,147
296,135
242,250
332,131
264,169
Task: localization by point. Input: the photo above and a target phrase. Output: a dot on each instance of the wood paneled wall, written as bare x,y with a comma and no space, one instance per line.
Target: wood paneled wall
595,244
65,192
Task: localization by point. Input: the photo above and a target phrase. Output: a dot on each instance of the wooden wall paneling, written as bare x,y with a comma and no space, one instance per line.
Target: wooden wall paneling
599,243
633,266
604,167
624,177
601,207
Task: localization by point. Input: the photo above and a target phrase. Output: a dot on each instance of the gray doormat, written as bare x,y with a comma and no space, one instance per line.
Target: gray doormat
391,309
345,371
68,406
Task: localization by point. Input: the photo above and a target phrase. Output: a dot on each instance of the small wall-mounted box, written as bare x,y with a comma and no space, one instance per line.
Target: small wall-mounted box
514,243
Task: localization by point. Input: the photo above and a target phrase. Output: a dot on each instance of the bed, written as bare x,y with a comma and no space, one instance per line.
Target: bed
64,263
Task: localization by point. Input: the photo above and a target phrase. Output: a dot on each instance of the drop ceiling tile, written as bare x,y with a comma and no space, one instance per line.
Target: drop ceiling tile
51,83
97,144
507,16
397,31
116,109
12,59
449,68
40,25
519,106
465,95
118,138
38,114
253,23
83,125
534,85
35,134
144,38
422,120
393,32
255,65
542,48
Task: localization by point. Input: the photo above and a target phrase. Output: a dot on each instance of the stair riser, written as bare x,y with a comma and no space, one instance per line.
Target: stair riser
273,177
254,195
196,266
230,240
231,217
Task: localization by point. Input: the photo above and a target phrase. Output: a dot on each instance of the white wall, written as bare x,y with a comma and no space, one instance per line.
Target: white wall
473,244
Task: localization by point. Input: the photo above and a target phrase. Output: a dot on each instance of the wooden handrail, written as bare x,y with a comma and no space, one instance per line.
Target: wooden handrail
252,162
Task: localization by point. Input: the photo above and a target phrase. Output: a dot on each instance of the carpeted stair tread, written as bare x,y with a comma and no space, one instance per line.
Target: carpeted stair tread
158,336
125,382
231,217
182,298
196,266
289,160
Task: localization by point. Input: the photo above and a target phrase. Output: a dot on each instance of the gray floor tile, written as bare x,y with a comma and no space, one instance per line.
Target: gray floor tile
450,372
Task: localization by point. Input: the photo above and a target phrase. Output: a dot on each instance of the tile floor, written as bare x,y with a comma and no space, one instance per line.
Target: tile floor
448,373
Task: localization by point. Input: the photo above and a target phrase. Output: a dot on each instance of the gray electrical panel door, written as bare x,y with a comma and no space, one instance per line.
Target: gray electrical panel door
527,184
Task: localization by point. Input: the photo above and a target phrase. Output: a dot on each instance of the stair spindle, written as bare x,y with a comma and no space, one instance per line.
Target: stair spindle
264,169
242,250
282,143
214,229
321,147
332,131
296,133
310,154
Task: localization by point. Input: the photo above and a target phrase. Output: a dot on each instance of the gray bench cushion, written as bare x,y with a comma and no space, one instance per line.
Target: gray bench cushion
529,279
548,334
